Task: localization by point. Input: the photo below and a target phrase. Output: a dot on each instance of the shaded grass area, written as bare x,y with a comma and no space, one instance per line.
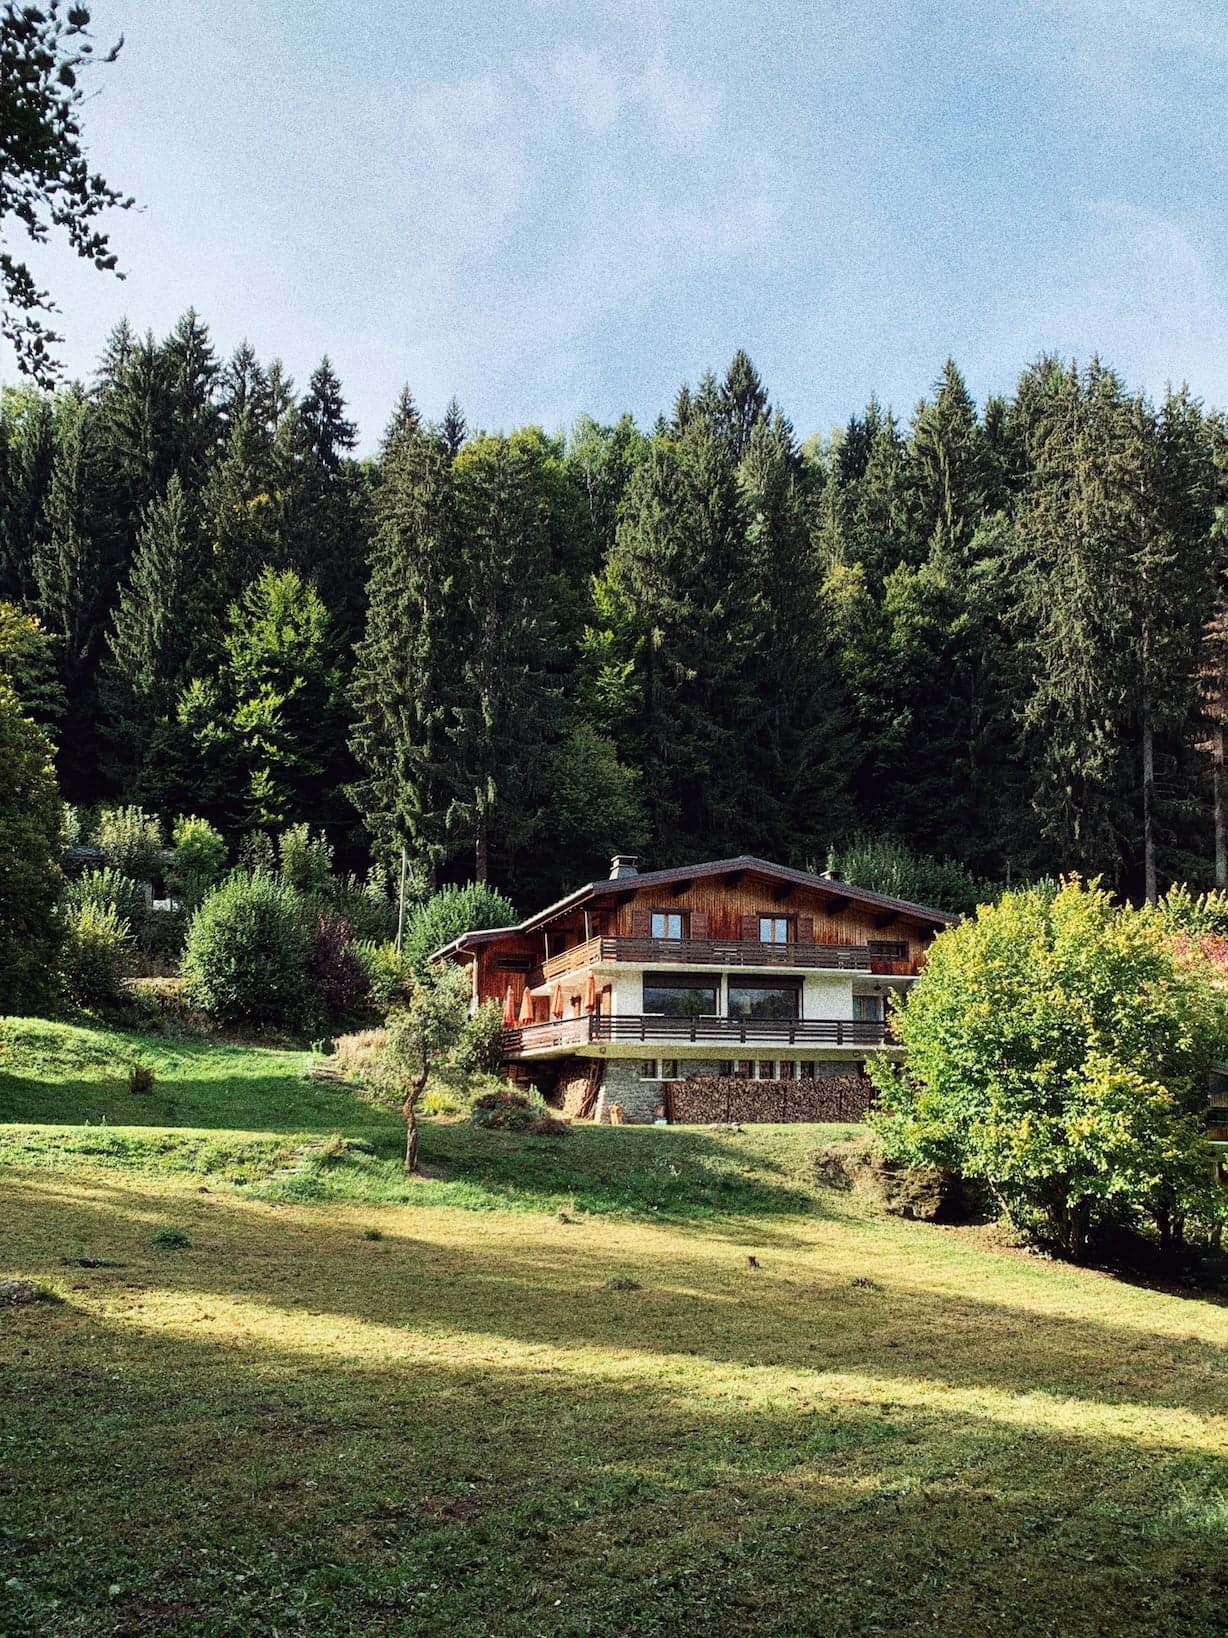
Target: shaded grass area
474,1425
288,1392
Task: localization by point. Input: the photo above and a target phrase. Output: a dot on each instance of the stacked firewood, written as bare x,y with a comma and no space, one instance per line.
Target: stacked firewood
705,1098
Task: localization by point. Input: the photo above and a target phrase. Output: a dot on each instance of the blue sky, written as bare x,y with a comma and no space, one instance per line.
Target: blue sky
548,208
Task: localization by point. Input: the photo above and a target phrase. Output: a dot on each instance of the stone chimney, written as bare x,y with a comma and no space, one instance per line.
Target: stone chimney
624,864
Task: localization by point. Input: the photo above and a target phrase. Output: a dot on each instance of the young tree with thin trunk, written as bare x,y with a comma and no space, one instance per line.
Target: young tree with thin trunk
419,1038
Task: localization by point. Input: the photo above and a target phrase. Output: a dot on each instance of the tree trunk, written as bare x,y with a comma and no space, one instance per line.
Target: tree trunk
481,852
1217,795
1149,784
410,1110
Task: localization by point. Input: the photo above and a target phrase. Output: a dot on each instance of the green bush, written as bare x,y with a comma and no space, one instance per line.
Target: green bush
199,862
505,1111
99,954
390,974
105,889
451,912
131,842
884,866
31,815
247,952
306,861
366,906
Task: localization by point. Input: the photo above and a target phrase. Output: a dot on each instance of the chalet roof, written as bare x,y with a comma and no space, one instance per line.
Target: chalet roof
745,864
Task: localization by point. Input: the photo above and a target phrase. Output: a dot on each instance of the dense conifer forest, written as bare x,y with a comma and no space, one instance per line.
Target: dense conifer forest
993,635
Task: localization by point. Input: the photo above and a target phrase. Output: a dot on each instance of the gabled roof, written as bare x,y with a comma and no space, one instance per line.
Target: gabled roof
744,863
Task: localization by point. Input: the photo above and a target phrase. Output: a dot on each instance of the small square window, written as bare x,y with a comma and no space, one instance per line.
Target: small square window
669,1069
725,1068
806,1071
745,1069
787,1070
667,924
773,929
648,1069
767,1069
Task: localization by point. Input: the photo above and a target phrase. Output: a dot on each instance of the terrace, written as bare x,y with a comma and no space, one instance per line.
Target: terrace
719,953
660,1029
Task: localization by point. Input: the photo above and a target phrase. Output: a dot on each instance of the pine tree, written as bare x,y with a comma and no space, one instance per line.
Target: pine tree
154,638
454,429
949,469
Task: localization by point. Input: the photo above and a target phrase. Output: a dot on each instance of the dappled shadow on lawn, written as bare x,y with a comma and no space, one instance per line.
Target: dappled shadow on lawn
231,1458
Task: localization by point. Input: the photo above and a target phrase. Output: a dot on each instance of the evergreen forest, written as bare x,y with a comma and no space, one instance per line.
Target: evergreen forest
992,635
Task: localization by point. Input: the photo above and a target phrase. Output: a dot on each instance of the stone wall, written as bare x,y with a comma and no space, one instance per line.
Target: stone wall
833,1097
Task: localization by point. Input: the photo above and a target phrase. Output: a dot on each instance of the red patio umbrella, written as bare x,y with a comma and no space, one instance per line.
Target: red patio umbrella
509,1009
557,1005
526,1006
590,994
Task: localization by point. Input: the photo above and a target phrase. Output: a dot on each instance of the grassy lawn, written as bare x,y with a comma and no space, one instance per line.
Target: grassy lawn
354,1405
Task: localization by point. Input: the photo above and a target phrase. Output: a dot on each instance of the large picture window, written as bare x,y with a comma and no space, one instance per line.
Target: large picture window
680,995
764,998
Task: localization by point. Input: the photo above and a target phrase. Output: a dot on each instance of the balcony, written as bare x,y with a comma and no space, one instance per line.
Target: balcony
706,952
656,1029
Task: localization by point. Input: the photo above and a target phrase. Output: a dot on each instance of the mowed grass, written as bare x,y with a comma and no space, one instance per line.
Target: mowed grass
354,1413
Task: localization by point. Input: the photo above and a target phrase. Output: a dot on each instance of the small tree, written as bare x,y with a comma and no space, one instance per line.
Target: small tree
1058,1049
431,1027
451,912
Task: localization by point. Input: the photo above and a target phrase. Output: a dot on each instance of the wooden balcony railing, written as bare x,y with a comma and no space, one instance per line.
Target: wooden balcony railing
708,952
655,1029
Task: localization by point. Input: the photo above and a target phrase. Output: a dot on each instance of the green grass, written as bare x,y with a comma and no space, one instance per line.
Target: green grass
373,1412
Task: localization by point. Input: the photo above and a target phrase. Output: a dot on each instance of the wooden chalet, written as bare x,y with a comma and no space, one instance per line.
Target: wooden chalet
632,989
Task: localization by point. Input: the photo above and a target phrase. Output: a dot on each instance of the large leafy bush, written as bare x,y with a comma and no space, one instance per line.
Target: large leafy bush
31,816
451,912
99,953
105,889
1058,1050
131,842
885,866
248,950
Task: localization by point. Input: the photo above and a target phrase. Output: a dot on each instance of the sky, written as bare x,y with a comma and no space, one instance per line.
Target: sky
554,208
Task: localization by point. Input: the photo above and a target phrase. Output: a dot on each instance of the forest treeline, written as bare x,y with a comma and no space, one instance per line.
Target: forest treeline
993,636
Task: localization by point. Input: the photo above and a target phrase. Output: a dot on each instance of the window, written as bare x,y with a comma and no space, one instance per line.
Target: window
648,1069
680,995
787,1071
807,1070
669,1069
765,998
888,949
667,924
765,1069
774,929
725,1068
744,1069
868,1008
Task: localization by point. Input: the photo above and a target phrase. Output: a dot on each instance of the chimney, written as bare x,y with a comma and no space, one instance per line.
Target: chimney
624,864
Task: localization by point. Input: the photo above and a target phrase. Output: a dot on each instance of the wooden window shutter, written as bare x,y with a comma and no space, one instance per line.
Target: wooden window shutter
641,924
805,929
750,929
699,924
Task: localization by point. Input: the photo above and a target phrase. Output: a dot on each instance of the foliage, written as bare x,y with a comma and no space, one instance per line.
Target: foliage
1196,915
390,973
1058,1049
142,1078
337,970
504,1111
305,860
248,951
131,841
31,816
28,659
451,912
423,1034
99,954
199,860
886,866
46,181
107,889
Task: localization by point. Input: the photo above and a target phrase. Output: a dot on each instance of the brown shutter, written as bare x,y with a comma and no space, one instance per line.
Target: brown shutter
750,929
641,924
699,924
805,929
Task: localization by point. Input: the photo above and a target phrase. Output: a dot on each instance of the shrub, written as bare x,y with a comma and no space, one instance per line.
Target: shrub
505,1111
480,1048
390,974
1058,1050
99,954
884,866
141,1079
336,968
199,860
31,816
257,855
108,889
247,952
170,1239
450,913
366,906
306,861
131,842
